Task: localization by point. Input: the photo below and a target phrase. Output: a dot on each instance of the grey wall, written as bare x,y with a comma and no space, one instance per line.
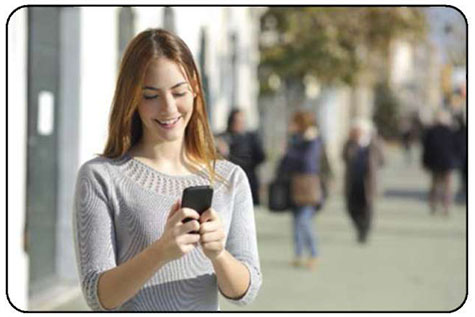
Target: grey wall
43,66
53,66
68,138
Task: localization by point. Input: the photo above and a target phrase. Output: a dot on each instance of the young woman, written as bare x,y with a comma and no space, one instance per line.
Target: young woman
134,251
302,163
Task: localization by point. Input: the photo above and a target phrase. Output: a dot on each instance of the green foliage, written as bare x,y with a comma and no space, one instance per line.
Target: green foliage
386,114
331,43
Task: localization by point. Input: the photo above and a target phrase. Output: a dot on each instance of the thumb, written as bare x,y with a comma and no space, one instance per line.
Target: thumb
175,207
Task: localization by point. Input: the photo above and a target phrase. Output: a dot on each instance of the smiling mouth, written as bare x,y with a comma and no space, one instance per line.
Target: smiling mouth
168,123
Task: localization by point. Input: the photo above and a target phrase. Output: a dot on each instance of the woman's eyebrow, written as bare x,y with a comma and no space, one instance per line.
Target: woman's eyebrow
149,87
179,84
173,87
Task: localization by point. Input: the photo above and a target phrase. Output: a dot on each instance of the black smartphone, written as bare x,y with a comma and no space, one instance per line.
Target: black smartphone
198,198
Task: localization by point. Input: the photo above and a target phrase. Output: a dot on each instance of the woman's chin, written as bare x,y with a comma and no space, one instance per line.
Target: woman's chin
172,136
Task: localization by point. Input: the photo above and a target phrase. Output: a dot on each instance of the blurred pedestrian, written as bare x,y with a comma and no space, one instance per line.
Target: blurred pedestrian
440,158
243,148
363,155
137,248
302,162
460,128
408,130
461,144
326,175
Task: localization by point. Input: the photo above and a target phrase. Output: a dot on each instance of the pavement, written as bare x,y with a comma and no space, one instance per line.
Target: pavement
413,261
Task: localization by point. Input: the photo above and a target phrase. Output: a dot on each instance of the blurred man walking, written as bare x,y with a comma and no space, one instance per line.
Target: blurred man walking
362,154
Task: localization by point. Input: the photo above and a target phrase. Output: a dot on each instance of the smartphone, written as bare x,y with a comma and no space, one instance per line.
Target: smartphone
198,198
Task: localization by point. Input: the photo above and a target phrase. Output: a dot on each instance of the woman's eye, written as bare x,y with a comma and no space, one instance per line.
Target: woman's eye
150,97
179,94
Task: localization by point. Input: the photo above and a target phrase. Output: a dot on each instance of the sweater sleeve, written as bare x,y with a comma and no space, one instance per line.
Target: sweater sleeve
94,236
242,241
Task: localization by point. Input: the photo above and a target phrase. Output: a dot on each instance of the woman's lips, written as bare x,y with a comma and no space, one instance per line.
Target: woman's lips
168,124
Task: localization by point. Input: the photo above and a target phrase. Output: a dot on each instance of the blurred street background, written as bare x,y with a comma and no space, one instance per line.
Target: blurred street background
414,262
396,67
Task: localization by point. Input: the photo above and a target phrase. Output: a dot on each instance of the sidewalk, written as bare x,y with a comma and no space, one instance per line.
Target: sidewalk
413,261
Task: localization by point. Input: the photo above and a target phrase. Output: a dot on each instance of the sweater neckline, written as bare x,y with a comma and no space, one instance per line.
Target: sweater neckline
139,165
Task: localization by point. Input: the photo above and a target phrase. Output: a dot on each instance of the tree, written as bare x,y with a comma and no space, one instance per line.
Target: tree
333,44
386,112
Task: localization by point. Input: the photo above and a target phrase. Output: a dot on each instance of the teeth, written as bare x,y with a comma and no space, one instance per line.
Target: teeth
168,121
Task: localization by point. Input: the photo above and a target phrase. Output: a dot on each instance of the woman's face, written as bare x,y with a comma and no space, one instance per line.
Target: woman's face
167,103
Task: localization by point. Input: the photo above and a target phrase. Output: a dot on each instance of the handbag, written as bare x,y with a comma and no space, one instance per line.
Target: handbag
279,189
306,189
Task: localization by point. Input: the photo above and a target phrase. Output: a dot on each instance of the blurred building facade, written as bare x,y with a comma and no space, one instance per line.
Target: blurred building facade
427,73
63,63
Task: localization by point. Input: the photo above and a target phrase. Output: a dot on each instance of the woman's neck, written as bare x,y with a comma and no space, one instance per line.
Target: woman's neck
166,157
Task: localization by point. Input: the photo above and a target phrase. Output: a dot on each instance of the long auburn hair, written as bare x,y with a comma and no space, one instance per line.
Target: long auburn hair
125,126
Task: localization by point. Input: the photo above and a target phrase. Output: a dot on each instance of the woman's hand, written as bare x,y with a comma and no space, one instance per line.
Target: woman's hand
177,239
212,234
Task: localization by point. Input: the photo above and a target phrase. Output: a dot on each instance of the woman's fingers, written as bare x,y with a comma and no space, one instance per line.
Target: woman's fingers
188,227
209,215
190,239
213,236
209,226
182,214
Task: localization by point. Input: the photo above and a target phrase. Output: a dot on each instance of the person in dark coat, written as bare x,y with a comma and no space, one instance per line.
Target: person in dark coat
440,158
461,150
243,148
303,157
363,155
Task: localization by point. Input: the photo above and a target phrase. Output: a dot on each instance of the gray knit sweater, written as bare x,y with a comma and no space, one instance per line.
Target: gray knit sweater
121,206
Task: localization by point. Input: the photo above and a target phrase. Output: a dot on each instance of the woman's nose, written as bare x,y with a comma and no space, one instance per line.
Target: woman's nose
168,104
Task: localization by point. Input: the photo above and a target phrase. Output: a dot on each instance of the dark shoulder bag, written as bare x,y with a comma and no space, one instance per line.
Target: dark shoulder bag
279,190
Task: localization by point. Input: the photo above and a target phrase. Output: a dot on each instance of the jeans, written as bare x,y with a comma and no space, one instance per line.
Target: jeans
304,235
